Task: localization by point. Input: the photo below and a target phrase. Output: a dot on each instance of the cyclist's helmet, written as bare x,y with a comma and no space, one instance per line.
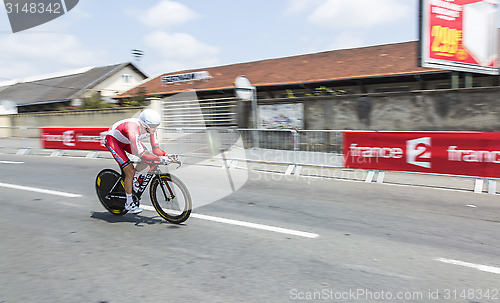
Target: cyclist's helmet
150,119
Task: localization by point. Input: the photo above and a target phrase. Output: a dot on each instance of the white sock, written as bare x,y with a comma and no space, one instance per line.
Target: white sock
129,198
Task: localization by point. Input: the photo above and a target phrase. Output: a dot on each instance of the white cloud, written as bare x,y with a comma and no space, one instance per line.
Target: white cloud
44,53
339,14
299,6
347,40
79,13
165,14
173,51
179,51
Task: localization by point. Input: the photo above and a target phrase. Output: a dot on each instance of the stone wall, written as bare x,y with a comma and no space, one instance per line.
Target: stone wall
473,109
29,122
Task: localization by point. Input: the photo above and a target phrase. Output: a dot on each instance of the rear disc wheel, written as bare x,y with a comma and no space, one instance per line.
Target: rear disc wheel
114,202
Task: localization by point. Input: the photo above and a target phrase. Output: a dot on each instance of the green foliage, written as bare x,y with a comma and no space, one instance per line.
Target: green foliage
323,90
95,101
318,91
289,93
139,100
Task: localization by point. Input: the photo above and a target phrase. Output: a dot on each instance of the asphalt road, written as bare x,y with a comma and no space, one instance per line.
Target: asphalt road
339,241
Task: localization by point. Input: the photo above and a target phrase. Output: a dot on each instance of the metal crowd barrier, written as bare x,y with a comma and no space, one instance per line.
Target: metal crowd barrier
294,149
210,141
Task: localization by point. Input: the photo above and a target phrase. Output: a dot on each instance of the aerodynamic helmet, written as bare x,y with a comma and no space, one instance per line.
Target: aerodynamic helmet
150,119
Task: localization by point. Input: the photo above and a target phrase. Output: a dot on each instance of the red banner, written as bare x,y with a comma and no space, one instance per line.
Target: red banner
73,138
470,154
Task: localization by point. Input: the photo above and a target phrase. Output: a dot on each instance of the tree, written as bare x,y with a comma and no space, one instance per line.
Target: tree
140,99
94,101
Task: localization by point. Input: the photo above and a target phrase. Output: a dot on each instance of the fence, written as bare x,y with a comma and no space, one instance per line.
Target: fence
329,141
281,147
307,147
294,149
185,110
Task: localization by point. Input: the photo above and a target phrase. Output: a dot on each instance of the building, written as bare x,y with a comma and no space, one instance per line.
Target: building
298,82
374,69
59,90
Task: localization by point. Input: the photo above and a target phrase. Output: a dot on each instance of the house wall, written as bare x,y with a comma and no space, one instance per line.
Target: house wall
473,109
5,123
389,86
117,83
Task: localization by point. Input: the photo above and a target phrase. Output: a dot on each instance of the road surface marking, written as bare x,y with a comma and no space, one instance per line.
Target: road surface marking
40,190
480,267
247,224
11,162
257,226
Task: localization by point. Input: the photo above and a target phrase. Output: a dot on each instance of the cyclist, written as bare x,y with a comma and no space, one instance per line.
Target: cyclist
125,137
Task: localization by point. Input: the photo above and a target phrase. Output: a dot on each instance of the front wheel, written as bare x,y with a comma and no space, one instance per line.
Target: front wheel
171,198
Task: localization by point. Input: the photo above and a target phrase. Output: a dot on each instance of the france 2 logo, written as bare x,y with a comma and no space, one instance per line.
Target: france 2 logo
418,153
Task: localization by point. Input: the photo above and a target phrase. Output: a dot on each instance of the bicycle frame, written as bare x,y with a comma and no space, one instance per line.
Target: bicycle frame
153,172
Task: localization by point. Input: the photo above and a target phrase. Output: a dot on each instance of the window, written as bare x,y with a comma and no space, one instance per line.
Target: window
126,78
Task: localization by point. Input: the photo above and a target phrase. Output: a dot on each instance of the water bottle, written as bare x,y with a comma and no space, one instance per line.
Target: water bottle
137,182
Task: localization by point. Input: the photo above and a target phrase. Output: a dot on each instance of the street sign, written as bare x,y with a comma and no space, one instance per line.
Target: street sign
244,89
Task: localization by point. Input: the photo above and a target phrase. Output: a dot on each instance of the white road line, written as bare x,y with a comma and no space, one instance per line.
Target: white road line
247,224
480,267
257,226
11,162
147,207
40,190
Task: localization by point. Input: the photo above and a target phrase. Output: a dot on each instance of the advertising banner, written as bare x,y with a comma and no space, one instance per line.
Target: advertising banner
469,154
195,76
282,116
459,35
73,138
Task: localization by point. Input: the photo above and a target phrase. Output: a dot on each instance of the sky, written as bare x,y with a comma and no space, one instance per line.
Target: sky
179,35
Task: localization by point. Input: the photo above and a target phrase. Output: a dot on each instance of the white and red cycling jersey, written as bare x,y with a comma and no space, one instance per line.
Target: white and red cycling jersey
125,136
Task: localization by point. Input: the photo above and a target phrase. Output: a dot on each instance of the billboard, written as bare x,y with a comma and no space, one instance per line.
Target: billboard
73,138
459,35
282,116
469,154
194,76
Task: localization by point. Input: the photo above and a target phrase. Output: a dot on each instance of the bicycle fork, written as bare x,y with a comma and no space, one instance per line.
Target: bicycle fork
170,195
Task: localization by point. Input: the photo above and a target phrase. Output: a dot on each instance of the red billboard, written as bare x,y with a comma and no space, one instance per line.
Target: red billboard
73,138
459,35
469,154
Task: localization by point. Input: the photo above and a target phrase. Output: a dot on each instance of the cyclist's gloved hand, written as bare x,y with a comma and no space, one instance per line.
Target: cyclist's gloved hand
174,158
165,160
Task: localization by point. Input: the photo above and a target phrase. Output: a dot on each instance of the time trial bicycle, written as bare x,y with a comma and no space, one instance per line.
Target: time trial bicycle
169,195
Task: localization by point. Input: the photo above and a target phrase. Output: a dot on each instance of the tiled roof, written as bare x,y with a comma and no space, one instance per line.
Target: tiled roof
374,61
57,87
